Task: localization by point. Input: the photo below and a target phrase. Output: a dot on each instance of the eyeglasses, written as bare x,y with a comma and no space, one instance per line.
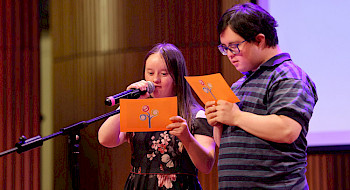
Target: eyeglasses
232,47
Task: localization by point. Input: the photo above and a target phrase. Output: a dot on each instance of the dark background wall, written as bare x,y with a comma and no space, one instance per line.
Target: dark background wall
19,92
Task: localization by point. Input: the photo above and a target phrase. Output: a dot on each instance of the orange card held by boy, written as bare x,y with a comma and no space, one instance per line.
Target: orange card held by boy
211,88
141,115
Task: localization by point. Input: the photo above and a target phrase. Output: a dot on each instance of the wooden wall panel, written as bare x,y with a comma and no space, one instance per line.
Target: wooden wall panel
99,46
328,171
19,95
98,50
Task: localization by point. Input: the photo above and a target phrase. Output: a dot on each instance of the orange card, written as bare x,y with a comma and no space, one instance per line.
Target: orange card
140,115
211,88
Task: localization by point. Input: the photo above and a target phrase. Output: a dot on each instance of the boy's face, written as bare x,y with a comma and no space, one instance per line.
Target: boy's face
247,59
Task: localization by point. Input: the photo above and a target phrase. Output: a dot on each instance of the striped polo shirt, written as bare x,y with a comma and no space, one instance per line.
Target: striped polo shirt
247,162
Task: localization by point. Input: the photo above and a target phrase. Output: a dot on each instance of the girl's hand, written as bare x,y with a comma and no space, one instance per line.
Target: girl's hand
142,85
179,128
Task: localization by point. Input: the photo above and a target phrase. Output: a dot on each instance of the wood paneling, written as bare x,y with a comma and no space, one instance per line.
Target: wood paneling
98,49
99,46
329,171
19,95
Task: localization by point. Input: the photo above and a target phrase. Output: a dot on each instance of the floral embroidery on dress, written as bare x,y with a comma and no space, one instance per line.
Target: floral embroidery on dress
162,143
166,180
161,146
159,161
166,159
151,156
180,146
139,171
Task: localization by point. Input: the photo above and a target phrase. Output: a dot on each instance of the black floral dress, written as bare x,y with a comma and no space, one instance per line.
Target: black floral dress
160,161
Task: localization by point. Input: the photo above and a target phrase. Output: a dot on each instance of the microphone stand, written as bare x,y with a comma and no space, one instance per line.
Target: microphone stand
73,131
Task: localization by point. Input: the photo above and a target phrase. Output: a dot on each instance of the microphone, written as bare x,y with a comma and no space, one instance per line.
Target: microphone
129,94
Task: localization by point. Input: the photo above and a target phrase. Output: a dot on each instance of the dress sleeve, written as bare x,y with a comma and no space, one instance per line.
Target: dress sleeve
201,125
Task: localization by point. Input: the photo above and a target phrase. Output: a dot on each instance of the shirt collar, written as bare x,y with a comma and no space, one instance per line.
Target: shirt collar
276,60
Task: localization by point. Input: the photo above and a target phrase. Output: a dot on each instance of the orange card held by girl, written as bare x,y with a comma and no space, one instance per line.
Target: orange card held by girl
141,115
211,88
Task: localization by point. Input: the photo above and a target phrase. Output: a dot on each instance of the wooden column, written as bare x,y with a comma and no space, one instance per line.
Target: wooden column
19,95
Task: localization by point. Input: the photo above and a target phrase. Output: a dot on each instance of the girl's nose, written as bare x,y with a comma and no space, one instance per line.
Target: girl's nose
156,79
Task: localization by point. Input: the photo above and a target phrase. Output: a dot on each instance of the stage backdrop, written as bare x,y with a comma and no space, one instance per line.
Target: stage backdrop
98,49
19,92
316,35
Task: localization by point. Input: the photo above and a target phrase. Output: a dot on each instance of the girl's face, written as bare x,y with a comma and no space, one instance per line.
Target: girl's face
156,71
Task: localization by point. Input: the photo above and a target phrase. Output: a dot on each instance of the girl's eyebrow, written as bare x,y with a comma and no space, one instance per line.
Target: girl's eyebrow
165,69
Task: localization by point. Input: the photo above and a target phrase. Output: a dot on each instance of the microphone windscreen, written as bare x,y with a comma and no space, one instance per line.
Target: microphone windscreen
151,87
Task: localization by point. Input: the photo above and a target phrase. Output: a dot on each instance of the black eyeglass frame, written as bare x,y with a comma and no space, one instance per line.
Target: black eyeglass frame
223,49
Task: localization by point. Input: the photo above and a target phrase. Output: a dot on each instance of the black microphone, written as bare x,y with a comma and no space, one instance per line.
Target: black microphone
129,94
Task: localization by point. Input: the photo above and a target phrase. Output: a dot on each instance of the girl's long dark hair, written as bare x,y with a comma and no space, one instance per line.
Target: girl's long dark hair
176,65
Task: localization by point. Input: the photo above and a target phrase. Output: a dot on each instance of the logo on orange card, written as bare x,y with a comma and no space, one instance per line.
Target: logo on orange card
207,88
148,115
141,115
211,88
